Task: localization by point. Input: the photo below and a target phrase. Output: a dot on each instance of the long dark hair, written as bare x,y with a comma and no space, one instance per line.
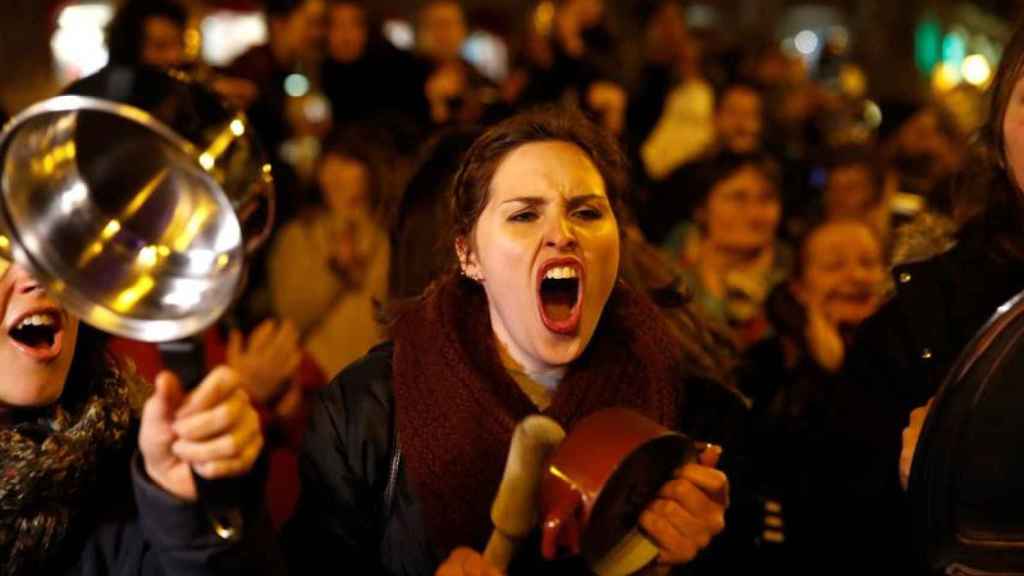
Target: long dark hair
990,193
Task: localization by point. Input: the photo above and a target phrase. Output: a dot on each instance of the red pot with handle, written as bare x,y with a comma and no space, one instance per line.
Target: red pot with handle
598,482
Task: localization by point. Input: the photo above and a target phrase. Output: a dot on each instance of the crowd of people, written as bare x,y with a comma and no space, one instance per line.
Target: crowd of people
737,254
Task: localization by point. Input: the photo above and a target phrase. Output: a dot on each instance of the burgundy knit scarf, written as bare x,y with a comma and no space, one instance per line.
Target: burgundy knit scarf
457,406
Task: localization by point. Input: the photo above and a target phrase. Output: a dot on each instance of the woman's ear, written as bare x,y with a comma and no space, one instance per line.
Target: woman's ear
469,266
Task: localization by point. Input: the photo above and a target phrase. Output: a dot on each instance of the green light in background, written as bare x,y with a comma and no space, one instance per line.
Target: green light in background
954,49
927,44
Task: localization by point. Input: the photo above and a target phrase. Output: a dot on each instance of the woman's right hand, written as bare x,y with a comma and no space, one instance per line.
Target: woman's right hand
466,562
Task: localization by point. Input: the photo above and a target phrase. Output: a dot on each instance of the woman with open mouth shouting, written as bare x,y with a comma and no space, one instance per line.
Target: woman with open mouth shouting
406,447
96,479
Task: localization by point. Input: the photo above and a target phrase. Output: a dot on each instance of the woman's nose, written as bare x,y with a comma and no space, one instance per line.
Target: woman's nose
561,234
23,282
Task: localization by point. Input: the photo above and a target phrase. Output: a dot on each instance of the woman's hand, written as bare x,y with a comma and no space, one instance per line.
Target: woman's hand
213,430
466,562
910,436
689,510
823,339
268,361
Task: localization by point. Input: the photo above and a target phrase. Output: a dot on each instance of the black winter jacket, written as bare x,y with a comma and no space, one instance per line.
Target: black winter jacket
358,510
130,526
899,360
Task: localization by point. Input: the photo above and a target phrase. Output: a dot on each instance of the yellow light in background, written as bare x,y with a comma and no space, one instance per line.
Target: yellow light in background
206,161
872,114
5,242
193,43
853,81
147,257
945,78
222,261
976,70
543,18
130,296
112,228
237,127
163,251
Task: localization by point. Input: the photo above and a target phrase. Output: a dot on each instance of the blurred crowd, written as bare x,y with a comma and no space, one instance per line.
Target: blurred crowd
765,196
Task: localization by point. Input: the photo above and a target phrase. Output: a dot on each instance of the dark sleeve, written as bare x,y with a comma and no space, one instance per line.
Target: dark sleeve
184,539
343,467
864,431
714,413
135,527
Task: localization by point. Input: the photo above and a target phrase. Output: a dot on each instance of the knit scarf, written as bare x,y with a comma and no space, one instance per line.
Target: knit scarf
457,406
48,462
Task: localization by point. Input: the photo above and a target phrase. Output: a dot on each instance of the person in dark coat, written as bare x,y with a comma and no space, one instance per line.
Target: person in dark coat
837,282
904,352
363,75
98,480
406,447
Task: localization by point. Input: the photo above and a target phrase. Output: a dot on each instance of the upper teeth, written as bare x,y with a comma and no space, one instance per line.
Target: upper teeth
37,320
561,272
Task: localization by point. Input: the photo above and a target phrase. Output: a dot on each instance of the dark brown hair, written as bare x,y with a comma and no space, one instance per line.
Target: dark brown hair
726,164
990,191
126,30
360,144
859,155
472,185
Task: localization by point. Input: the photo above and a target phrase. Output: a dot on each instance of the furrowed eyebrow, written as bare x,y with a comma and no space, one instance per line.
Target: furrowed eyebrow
571,203
577,201
528,200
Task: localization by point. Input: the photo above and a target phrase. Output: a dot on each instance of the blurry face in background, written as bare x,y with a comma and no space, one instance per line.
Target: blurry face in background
347,32
921,133
850,192
742,212
163,43
546,250
588,13
345,184
37,341
666,32
302,32
1013,133
843,272
739,120
442,30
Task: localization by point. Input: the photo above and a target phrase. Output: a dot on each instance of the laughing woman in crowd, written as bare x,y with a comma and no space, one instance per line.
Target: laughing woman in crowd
406,447
837,282
94,478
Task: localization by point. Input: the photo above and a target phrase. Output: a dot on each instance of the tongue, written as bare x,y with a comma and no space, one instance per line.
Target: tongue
558,298
558,306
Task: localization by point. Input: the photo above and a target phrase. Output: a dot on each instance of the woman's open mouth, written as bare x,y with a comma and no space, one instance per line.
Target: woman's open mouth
855,298
38,334
560,295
